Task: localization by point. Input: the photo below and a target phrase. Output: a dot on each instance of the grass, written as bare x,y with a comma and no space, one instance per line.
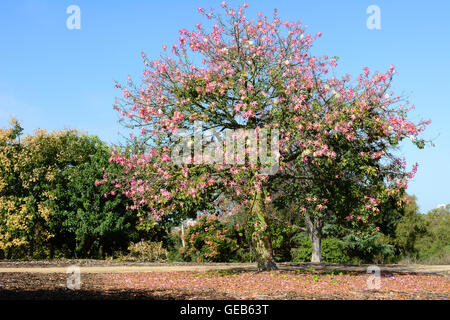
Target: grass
439,259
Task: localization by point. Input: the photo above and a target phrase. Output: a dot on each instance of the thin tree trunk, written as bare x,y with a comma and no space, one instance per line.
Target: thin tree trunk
182,234
52,250
31,248
315,225
316,255
101,252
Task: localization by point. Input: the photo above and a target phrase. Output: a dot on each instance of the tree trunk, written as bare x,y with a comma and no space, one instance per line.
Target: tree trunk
315,225
264,253
261,238
316,247
31,248
52,250
101,252
182,234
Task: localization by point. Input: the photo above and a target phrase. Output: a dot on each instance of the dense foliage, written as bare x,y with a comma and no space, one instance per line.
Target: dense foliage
209,239
425,238
331,139
52,207
332,250
49,202
319,179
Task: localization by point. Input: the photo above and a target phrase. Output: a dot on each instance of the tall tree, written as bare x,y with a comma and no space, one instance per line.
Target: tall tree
30,169
87,218
319,143
49,200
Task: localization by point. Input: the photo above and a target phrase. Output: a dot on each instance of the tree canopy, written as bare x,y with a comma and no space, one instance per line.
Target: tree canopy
313,140
48,198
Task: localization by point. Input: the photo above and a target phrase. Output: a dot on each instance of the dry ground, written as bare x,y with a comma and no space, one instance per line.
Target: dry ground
118,280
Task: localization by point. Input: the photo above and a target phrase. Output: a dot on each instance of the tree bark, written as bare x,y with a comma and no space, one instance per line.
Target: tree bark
101,252
316,255
315,225
31,248
264,253
52,250
182,234
262,239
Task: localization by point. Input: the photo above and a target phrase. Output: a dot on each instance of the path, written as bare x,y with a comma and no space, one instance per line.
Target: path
118,267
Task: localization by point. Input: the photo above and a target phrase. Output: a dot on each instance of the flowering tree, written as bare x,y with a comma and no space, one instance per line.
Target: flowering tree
330,138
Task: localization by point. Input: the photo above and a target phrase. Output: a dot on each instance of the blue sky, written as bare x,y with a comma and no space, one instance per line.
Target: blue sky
52,77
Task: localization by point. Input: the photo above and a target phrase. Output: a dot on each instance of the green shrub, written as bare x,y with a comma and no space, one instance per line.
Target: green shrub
281,242
243,255
369,249
332,250
147,251
303,250
211,240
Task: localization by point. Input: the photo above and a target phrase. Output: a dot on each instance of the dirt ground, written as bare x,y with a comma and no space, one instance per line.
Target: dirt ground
47,280
102,266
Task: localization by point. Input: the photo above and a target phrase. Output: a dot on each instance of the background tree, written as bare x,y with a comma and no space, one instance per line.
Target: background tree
410,228
13,230
434,246
48,198
35,167
86,220
424,238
